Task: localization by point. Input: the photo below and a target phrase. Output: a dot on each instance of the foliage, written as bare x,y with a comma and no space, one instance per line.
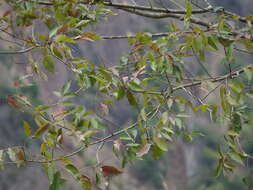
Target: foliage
153,77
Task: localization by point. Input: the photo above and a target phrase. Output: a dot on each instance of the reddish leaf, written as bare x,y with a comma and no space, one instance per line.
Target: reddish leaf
62,29
110,171
144,150
11,101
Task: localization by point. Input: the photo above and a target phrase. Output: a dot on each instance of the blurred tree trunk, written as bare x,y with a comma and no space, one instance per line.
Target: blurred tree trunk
177,173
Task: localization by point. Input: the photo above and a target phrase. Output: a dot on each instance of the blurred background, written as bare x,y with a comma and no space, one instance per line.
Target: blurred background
186,166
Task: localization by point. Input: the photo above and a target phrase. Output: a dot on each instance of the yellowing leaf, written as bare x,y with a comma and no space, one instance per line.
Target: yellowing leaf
40,131
27,128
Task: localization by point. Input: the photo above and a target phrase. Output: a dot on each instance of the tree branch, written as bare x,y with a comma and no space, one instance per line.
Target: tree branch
17,52
157,10
217,79
150,14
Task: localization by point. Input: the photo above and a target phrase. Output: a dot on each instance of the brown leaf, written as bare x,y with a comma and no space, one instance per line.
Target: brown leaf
20,155
144,150
8,12
110,171
11,101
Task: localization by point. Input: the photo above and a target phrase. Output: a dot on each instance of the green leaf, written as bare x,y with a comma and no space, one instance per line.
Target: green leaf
188,9
49,63
49,170
126,138
53,32
2,159
133,85
143,114
236,123
161,143
27,128
236,157
56,51
226,42
164,118
131,99
85,182
120,93
156,152
57,182
248,73
212,43
236,86
63,38
66,87
218,169
188,137
224,102
72,169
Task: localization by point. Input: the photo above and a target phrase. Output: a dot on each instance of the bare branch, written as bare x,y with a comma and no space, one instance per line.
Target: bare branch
17,52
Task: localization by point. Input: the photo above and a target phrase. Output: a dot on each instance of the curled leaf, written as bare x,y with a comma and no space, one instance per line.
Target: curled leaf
144,150
85,182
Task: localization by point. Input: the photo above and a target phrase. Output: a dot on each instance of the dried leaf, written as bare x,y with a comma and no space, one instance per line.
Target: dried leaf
144,150
110,171
11,101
